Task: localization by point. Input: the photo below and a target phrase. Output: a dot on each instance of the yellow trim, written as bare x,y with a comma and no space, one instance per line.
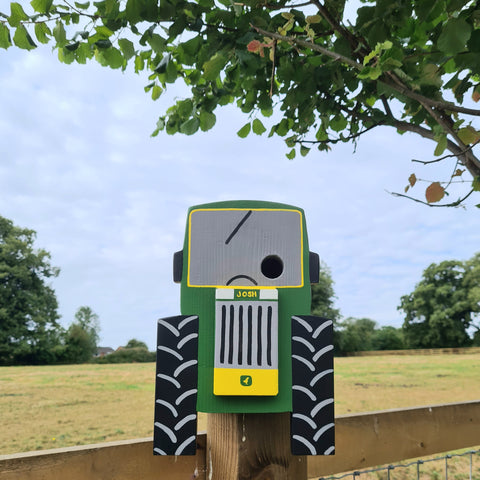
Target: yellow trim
243,209
245,381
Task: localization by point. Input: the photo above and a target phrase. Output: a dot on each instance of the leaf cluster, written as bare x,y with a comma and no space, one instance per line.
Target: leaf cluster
407,64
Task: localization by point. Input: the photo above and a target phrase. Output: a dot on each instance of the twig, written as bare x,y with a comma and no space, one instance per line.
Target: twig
427,162
453,204
350,137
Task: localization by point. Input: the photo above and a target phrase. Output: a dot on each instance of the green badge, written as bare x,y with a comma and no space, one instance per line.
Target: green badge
246,380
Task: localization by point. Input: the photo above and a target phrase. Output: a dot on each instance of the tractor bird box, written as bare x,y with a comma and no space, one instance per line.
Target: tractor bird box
245,341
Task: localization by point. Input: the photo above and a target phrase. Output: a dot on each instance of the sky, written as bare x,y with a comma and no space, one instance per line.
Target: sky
109,202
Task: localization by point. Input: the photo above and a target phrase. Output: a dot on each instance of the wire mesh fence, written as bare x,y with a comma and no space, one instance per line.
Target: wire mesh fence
463,465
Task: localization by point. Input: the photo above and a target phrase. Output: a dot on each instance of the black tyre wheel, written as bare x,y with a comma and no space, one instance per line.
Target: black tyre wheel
175,427
312,421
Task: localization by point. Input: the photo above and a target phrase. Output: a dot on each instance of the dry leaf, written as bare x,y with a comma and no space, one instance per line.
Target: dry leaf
434,193
412,179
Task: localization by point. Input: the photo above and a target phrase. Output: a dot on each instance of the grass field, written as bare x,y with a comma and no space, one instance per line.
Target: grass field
51,407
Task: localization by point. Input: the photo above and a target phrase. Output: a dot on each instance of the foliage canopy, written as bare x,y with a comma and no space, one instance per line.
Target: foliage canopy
413,65
444,308
28,305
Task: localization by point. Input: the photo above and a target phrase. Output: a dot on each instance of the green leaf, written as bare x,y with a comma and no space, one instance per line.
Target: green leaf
41,6
82,6
139,64
476,184
22,39
160,126
157,43
83,52
60,34
190,126
42,32
291,154
257,127
441,146
468,135
17,14
113,57
283,127
72,46
207,121
103,43
338,123
370,72
304,151
314,19
431,75
244,131
66,56
103,31
213,67
267,112
291,141
156,92
454,36
127,48
164,62
4,36
133,11
185,108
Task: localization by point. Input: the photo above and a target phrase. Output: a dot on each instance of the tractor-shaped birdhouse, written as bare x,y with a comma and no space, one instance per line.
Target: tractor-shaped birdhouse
245,341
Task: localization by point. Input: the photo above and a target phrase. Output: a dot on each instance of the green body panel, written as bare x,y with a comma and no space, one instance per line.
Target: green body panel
201,301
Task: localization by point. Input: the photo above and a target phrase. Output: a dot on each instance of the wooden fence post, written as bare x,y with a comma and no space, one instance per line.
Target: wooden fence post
251,446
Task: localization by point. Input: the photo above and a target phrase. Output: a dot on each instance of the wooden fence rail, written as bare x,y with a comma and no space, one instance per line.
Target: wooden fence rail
362,441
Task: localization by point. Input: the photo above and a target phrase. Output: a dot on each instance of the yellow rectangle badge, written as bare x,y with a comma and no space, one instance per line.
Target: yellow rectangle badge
245,381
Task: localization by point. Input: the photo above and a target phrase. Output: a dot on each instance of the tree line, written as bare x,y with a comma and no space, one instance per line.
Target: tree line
443,310
30,332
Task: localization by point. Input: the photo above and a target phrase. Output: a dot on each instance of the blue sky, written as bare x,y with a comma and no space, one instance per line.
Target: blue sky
109,202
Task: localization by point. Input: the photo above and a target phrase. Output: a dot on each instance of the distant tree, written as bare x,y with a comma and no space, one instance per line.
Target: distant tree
128,355
323,295
78,345
134,343
388,338
29,331
355,335
445,305
82,336
323,300
88,320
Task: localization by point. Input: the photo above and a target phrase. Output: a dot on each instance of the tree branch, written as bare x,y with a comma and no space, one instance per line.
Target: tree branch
458,151
350,137
453,155
453,204
393,83
449,107
312,46
337,26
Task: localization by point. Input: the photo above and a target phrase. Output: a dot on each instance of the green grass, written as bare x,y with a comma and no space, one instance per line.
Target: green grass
58,406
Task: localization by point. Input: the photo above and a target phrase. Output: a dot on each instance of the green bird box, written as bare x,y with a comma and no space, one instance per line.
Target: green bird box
245,341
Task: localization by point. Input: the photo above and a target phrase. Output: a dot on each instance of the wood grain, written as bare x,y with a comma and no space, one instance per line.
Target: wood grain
253,446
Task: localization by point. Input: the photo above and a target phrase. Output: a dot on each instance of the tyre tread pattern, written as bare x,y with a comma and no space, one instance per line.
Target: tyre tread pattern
175,424
312,420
